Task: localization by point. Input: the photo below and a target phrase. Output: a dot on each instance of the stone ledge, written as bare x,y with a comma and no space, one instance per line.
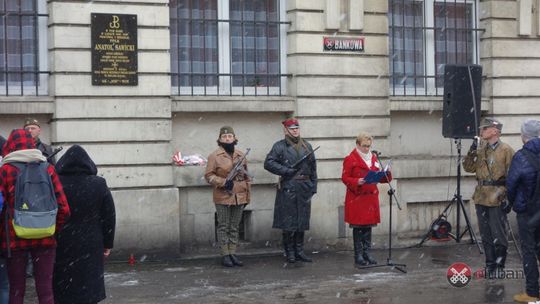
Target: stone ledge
233,104
423,103
26,105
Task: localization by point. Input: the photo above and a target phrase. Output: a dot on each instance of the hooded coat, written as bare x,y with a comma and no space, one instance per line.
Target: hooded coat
20,147
78,272
2,142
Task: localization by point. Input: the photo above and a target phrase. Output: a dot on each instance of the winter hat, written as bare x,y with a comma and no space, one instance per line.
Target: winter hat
530,128
226,130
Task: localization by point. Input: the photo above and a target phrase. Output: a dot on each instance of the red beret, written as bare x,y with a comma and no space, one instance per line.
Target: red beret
291,123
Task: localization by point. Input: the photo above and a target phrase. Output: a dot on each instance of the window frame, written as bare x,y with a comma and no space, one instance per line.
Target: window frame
429,75
41,88
225,86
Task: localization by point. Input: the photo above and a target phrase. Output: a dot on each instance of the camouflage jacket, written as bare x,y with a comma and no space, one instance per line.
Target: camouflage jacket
489,165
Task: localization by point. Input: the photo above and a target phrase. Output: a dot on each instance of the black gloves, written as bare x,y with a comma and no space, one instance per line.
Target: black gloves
290,172
506,206
228,185
474,144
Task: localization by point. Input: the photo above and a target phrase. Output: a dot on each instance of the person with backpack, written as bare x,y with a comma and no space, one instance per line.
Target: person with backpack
23,165
88,236
523,186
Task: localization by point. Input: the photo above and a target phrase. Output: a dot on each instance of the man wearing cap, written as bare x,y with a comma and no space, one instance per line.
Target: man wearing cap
490,160
230,197
296,186
521,184
32,126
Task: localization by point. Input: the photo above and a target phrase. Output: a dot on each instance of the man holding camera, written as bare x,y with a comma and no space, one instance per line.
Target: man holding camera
522,184
490,160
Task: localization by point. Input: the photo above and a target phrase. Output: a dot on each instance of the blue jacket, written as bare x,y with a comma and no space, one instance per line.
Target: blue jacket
521,178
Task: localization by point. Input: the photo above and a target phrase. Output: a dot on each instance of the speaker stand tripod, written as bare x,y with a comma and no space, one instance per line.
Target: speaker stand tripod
389,262
459,207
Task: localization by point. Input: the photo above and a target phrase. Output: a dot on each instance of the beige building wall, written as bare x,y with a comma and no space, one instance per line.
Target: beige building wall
125,129
132,132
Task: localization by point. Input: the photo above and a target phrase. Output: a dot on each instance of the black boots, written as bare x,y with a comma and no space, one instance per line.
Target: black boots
362,245
358,258
366,240
293,243
235,260
231,260
288,245
226,261
299,247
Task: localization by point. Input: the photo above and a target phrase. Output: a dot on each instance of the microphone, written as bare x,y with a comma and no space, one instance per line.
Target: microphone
376,152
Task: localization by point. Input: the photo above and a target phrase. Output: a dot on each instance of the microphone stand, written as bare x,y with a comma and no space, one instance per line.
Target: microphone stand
391,194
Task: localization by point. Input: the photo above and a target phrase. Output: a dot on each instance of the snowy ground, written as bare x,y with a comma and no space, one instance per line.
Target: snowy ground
330,279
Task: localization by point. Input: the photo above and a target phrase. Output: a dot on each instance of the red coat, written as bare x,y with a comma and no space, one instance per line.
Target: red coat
361,201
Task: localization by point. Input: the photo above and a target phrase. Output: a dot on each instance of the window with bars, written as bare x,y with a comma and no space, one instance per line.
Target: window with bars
424,36
23,47
228,47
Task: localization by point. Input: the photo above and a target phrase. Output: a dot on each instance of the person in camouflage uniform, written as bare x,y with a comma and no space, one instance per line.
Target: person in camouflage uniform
490,160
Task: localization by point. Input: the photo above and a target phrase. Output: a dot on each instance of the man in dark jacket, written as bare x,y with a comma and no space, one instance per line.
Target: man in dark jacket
2,142
296,186
521,185
32,126
88,235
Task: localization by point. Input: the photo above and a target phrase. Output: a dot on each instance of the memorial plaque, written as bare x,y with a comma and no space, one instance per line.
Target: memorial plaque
114,49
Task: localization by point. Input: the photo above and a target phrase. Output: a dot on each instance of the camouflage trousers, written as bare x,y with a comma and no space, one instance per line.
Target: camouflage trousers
228,221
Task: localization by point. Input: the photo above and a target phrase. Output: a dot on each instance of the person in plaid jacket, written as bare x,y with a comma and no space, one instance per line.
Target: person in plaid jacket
20,147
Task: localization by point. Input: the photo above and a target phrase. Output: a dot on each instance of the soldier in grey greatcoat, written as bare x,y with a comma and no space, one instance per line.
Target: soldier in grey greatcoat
296,186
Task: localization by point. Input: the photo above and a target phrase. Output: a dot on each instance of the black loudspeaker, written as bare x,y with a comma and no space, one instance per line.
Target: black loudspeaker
461,100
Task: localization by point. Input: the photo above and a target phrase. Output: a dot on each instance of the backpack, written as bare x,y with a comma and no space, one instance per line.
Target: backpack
35,206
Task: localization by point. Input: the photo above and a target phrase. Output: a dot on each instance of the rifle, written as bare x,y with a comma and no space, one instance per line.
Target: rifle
54,153
236,169
301,160
297,164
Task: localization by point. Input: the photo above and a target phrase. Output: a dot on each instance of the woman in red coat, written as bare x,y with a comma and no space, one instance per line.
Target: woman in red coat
362,199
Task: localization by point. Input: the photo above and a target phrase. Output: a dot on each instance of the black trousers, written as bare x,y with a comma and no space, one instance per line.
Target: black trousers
530,248
491,222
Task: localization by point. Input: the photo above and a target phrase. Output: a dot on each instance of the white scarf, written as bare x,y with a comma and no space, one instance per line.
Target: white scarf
366,157
24,156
